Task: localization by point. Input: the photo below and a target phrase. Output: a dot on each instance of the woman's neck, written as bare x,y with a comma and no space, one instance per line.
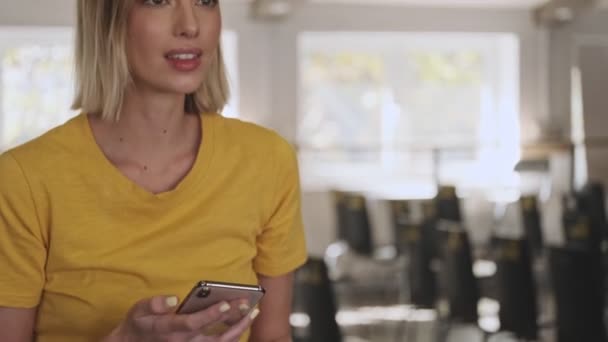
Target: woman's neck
155,143
152,119
153,129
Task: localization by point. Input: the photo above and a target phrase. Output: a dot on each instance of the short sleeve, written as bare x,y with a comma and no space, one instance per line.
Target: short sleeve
22,247
282,245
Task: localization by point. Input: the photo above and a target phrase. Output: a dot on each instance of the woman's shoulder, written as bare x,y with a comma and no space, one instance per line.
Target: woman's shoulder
49,147
253,136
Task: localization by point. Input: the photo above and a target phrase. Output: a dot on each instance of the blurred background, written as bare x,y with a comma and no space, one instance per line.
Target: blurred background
453,154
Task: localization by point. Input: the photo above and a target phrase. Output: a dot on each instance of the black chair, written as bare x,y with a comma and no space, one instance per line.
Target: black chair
578,232
430,220
401,216
516,288
458,284
458,287
591,201
353,222
532,223
447,204
314,297
419,212
422,279
415,236
401,210
577,280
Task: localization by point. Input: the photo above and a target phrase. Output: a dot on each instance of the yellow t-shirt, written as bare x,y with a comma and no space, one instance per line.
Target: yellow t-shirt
83,242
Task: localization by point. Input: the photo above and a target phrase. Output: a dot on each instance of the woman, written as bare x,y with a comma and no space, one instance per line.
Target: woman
106,220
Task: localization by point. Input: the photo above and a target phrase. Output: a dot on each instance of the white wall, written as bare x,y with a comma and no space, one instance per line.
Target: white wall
585,46
563,45
36,12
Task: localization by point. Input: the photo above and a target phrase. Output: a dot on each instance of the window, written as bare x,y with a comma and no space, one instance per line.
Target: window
36,82
36,75
409,109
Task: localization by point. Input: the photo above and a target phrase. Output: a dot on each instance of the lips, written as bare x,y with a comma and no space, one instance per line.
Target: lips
184,60
184,54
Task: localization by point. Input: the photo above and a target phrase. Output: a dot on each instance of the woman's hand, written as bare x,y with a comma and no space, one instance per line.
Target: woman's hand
154,319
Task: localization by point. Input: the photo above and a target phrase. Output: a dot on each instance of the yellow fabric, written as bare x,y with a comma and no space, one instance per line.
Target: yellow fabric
84,243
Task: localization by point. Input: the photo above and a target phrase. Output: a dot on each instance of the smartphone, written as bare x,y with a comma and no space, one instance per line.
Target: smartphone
207,293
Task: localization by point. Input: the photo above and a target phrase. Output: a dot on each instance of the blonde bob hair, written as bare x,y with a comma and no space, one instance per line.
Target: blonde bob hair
102,71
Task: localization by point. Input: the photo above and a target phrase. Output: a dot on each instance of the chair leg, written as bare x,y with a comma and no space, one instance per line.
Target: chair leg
401,331
414,330
442,331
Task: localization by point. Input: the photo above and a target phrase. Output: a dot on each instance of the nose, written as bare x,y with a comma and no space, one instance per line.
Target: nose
186,21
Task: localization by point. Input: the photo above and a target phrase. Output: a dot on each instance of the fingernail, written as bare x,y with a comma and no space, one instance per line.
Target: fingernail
171,301
254,313
224,307
244,308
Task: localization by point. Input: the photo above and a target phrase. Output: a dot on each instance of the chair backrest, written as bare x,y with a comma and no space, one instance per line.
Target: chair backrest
532,223
448,204
353,222
415,236
401,215
516,288
578,286
408,212
421,278
591,200
578,231
314,297
458,283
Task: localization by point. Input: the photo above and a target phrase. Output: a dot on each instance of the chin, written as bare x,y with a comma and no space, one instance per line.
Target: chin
170,84
183,88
